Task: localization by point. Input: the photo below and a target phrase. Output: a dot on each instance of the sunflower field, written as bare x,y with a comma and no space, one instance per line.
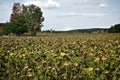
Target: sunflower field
60,57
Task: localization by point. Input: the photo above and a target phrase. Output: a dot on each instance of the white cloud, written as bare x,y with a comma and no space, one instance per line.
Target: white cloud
84,14
97,3
47,4
102,5
51,4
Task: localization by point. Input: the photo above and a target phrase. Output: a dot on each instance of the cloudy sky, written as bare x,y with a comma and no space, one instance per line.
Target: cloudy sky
70,14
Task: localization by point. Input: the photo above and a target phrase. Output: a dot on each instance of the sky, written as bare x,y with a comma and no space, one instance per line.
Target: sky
70,14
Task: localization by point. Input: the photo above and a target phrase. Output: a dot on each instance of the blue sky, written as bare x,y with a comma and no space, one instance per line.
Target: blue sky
70,14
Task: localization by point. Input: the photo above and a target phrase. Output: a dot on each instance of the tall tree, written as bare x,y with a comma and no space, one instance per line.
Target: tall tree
33,17
25,19
17,21
16,11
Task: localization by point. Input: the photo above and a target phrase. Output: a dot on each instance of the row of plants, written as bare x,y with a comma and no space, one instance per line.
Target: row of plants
60,57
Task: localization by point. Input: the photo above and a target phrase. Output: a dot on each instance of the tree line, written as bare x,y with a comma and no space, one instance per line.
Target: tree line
114,29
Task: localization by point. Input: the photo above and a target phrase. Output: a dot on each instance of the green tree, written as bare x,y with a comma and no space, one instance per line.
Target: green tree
114,29
24,19
17,22
6,28
33,17
1,28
